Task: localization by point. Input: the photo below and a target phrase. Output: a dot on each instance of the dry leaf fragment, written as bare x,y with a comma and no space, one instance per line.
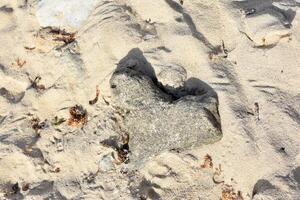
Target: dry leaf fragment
92,102
57,121
35,84
37,124
256,110
207,162
78,116
228,193
29,48
25,187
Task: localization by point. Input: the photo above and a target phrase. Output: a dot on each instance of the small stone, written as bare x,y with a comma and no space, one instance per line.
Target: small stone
106,163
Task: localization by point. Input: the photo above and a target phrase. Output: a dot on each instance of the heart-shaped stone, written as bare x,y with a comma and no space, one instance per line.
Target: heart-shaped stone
160,120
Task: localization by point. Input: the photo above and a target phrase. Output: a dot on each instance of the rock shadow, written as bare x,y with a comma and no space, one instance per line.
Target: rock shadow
258,7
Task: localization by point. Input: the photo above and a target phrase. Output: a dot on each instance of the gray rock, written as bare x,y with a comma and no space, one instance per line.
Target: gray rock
264,190
160,120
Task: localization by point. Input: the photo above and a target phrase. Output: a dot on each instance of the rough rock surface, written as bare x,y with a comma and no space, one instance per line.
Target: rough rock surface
157,120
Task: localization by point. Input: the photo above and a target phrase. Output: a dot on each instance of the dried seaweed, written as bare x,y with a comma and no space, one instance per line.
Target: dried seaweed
38,125
92,102
207,162
228,193
123,151
217,172
20,63
34,83
78,116
57,121
29,48
256,110
62,35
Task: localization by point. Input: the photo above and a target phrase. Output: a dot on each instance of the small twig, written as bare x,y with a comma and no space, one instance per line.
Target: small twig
29,48
20,63
78,116
247,35
35,84
207,162
257,110
92,102
57,121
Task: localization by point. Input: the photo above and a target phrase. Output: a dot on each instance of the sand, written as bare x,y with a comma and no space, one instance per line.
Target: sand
54,54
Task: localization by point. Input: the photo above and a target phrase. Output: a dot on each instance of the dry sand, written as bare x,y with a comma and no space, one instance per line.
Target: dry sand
248,52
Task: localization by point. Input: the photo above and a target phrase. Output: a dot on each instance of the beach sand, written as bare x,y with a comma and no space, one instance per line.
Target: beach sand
55,54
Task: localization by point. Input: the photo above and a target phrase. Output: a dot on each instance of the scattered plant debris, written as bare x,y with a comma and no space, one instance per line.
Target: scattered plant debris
228,193
38,125
25,187
225,50
250,11
207,162
29,48
78,116
35,84
92,102
55,170
60,37
105,101
217,172
256,110
57,121
123,151
91,177
20,63
63,36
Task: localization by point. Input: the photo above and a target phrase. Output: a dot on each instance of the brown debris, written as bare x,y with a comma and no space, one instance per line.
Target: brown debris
59,38
29,48
25,187
105,101
92,102
78,116
123,151
217,172
55,170
57,121
207,162
62,35
256,110
20,63
35,84
228,193
37,124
